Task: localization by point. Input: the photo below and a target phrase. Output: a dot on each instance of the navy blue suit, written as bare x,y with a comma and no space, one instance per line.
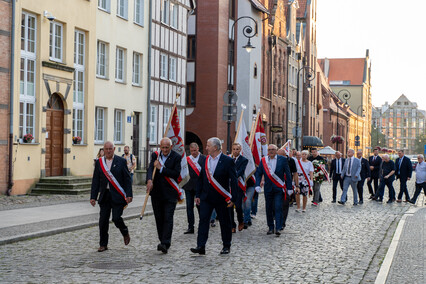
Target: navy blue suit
365,173
240,166
226,175
403,171
375,174
336,176
274,195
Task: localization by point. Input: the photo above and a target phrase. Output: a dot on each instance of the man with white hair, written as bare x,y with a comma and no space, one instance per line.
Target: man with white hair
387,176
420,178
218,179
350,175
164,190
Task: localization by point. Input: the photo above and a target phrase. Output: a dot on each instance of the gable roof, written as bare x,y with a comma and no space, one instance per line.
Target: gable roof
348,70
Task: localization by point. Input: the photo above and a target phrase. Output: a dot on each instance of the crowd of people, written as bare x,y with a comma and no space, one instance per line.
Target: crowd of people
218,187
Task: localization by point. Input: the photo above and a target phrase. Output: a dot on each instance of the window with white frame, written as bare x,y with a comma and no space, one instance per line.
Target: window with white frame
139,10
104,5
174,15
172,69
164,66
122,8
102,60
137,69
56,41
27,75
120,65
118,126
153,125
99,124
165,11
166,117
79,75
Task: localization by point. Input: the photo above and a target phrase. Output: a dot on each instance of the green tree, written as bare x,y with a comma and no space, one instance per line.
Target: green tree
420,144
377,138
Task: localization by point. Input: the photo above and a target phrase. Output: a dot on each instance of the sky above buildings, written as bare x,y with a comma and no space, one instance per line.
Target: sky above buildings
392,30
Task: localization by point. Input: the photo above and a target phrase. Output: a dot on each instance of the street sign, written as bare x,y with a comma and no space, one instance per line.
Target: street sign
357,143
357,138
230,95
425,150
231,116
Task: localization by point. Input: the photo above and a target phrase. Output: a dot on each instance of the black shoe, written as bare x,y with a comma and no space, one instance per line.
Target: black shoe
378,200
189,231
412,202
355,204
270,232
361,202
390,201
277,233
249,223
162,248
225,250
371,197
334,201
245,226
199,250
212,224
341,203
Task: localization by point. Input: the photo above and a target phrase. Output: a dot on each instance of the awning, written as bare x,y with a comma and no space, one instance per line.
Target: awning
312,141
259,6
327,151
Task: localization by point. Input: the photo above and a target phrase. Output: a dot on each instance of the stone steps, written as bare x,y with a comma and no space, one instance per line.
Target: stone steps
68,185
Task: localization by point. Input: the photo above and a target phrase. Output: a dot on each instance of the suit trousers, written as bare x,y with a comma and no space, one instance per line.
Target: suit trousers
346,182
190,196
206,209
419,187
105,213
274,204
317,192
163,213
286,207
389,183
360,187
376,185
403,189
335,182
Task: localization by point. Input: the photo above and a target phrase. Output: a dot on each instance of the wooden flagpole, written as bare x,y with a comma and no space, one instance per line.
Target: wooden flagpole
253,131
158,156
239,125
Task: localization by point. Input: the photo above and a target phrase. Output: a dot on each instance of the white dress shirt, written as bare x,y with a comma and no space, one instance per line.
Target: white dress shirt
339,166
213,163
195,160
351,163
163,159
272,163
421,172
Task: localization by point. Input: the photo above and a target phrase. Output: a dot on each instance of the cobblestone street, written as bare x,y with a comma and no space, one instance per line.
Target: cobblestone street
327,244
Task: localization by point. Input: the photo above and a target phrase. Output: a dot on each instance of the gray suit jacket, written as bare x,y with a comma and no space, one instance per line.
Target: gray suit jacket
355,169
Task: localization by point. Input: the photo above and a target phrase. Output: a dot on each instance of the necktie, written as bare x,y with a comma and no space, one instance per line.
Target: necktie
400,162
338,166
349,168
374,158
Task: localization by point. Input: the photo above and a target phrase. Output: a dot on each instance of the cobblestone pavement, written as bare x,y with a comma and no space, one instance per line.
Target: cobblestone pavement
26,201
409,261
327,244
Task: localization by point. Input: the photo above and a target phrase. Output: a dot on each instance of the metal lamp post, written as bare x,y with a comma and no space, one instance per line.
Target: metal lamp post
248,32
357,116
309,76
346,96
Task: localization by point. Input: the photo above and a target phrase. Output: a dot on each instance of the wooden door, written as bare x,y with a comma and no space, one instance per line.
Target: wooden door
55,138
135,136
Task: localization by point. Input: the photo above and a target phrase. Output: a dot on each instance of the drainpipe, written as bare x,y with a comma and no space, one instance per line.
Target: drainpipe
148,97
12,78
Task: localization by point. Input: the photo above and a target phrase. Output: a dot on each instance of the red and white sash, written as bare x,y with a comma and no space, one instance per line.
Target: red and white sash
172,182
216,185
273,177
322,167
242,185
304,174
111,178
195,166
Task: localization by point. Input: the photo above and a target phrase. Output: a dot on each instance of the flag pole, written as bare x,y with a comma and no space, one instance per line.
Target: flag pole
253,130
239,123
158,156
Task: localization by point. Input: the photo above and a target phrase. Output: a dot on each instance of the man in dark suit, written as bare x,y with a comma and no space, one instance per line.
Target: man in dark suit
335,172
195,162
403,172
164,190
276,172
112,187
240,166
375,161
218,175
387,176
365,174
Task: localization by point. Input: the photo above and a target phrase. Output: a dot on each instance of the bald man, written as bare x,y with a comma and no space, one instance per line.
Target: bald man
112,188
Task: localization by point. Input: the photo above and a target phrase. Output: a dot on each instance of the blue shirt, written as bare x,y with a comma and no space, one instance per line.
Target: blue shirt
421,172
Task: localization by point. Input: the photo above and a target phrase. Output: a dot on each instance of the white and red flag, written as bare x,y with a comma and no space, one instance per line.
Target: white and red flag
175,134
287,147
259,145
243,139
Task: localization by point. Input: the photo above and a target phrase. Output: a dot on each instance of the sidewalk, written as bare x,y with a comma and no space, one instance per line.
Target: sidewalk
26,223
405,261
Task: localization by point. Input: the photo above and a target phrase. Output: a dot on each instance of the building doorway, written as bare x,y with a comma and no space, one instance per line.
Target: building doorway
135,138
54,136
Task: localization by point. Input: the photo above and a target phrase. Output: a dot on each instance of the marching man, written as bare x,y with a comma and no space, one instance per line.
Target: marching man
112,188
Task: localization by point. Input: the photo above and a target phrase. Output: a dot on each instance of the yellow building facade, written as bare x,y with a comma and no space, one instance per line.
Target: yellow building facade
54,71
